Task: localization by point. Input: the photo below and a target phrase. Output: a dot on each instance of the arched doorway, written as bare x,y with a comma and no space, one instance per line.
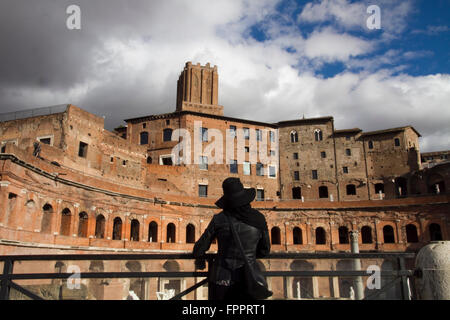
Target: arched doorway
117,229
275,235
153,232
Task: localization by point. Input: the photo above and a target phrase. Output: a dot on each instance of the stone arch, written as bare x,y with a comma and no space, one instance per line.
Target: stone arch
275,235
388,234
153,232
302,287
366,234
297,235
318,135
435,232
83,219
137,285
171,233
134,230
190,233
66,221
294,136
171,266
46,221
411,233
345,283
343,235
100,226
117,229
321,235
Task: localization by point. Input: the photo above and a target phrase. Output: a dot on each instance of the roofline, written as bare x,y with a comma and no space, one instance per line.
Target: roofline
301,121
199,114
370,133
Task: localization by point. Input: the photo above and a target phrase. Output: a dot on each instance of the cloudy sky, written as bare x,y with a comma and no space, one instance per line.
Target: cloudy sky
277,60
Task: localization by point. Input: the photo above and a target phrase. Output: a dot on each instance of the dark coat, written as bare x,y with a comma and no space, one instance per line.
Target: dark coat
255,242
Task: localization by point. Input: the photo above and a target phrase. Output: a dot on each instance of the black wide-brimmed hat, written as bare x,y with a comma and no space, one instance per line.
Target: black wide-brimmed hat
234,194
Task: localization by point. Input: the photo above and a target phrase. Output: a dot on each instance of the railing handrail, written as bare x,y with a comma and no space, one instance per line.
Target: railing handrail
189,256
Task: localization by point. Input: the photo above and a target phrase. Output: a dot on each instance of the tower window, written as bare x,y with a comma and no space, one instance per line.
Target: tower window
82,150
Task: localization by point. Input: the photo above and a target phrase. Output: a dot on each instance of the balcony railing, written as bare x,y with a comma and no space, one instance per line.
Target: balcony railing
25,276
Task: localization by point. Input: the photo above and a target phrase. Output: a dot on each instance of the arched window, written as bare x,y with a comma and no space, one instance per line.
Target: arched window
167,134
320,236
351,190
171,233
190,233
388,234
318,136
294,136
46,222
66,217
117,229
366,234
134,234
435,232
370,143
323,192
343,235
153,232
296,193
411,233
297,235
144,138
82,224
275,235
100,227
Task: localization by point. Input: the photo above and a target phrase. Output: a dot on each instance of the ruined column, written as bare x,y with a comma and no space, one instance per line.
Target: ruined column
358,283
433,271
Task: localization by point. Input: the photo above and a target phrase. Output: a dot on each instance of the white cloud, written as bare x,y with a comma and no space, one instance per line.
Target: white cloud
140,50
332,46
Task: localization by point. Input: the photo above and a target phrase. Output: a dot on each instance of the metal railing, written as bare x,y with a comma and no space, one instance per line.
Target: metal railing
16,115
9,279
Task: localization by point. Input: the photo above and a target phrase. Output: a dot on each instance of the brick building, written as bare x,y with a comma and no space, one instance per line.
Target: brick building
69,186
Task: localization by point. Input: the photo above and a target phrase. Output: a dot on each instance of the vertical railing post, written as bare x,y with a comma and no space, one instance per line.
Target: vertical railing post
405,286
359,290
210,276
7,270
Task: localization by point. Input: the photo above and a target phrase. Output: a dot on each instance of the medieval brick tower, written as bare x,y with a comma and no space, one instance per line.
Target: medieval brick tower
197,89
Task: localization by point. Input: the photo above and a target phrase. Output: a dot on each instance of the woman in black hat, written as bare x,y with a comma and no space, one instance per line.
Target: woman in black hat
227,276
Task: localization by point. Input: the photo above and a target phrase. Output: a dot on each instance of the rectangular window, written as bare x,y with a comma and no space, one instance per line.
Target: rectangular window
323,154
397,142
295,155
247,149
259,194
272,136
296,175
247,168
272,172
233,166
259,169
202,190
204,134
370,144
258,135
203,163
46,140
314,174
348,152
272,152
246,133
233,131
345,169
165,160
82,150
144,125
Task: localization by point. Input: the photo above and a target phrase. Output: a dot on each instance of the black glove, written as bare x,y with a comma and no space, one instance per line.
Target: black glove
200,264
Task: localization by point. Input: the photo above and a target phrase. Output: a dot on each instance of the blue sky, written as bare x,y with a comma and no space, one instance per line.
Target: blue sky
277,60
